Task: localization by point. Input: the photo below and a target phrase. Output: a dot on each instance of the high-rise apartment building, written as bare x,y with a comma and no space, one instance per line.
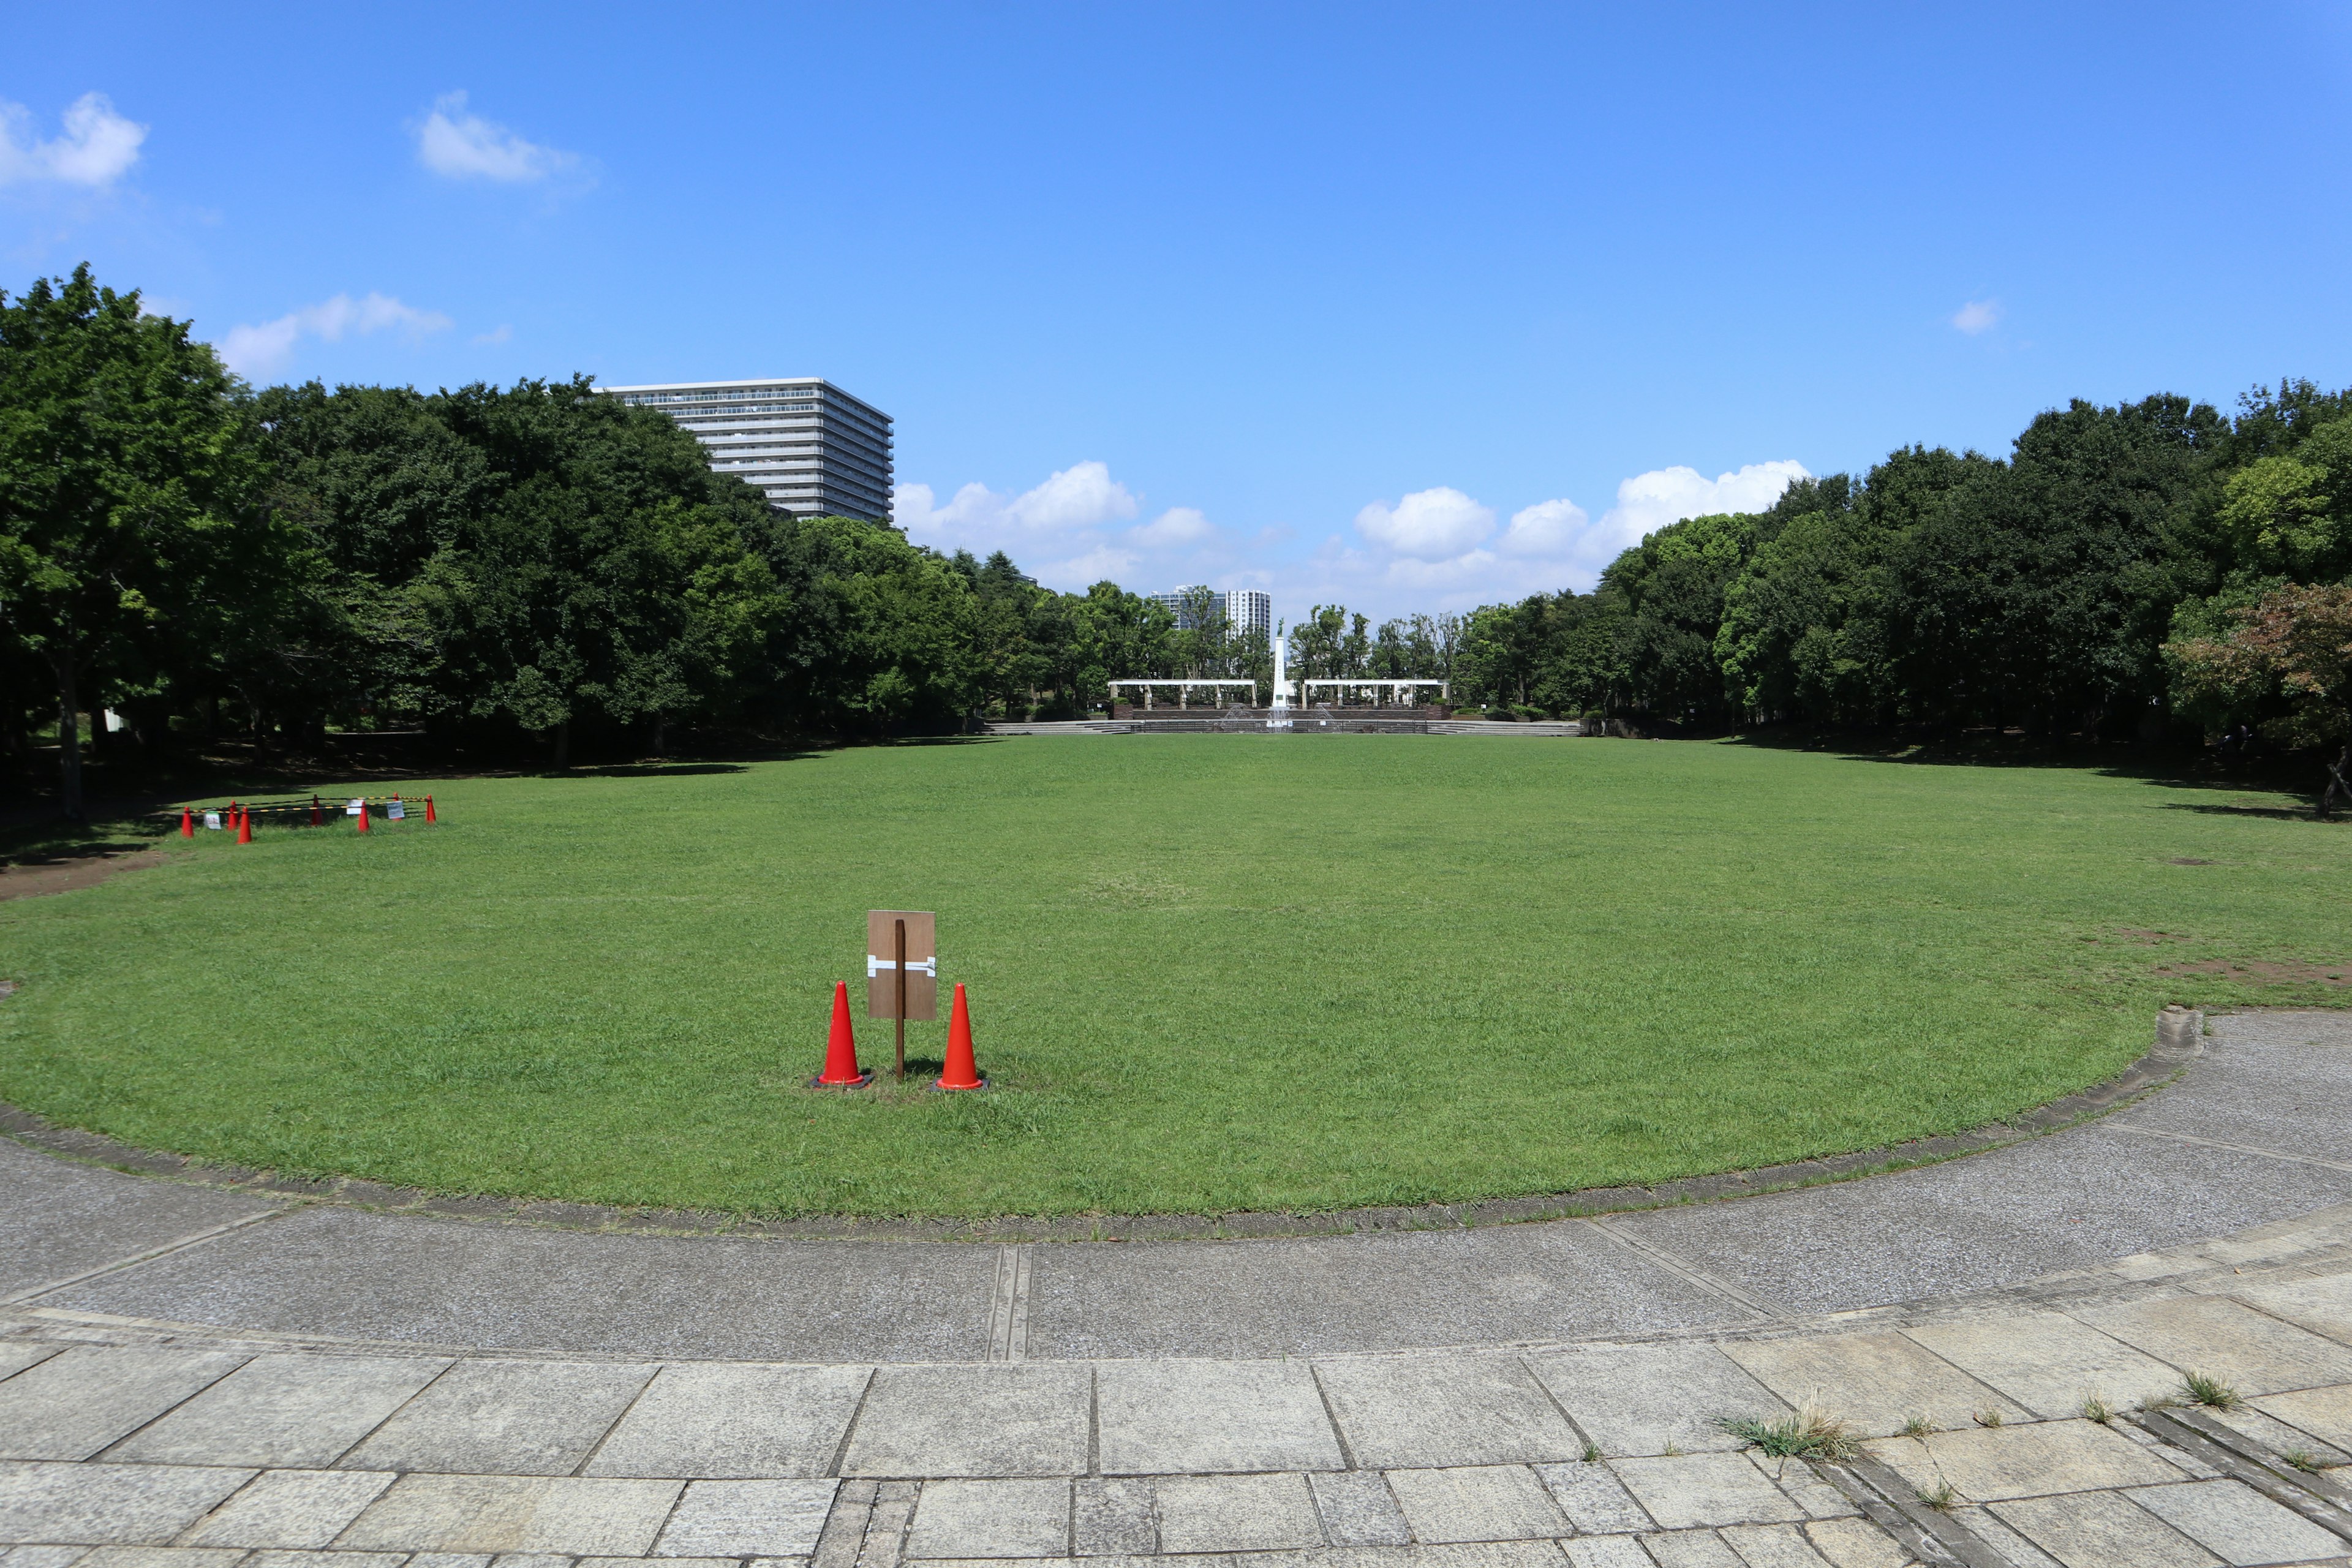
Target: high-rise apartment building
817,451
1245,610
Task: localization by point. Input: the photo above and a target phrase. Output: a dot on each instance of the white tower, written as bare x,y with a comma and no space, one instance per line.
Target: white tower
1281,681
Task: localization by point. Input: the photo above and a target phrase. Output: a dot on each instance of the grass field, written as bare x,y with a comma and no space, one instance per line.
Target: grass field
1206,972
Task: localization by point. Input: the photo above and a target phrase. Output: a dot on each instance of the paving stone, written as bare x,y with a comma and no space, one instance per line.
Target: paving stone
2224,1338
1690,1548
1876,1382
1019,1420
2103,1529
283,1410
2007,1544
108,1505
2325,1413
161,1557
290,1509
1608,1552
1170,1417
747,1518
2251,1420
1772,1546
41,1556
504,1417
531,1560
1594,1498
73,1405
1683,1490
1431,1411
1358,1509
2047,1361
1816,1496
1236,1513
1113,1516
1643,1399
662,1561
450,1559
719,1421
16,1357
991,1519
514,1513
1857,1544
325,1560
2323,1306
2237,1523
1481,1502
1993,1464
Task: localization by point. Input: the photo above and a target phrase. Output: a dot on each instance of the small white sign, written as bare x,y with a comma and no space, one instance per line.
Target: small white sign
396,811
356,809
211,820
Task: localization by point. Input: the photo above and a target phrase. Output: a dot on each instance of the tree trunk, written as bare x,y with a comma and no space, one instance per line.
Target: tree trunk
2335,780
564,745
661,734
68,725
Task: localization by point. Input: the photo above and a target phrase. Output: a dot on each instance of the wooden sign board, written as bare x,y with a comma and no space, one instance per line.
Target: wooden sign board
882,963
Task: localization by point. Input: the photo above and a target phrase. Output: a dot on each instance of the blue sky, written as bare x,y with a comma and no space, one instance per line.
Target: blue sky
1411,308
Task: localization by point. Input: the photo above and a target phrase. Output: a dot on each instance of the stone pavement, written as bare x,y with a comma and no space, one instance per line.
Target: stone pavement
190,1376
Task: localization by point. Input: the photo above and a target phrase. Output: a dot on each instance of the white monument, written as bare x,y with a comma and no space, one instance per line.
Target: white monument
1281,682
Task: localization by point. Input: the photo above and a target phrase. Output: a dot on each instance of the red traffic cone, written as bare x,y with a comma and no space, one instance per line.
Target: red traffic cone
428,810
840,1048
244,827
961,1071
314,811
187,823
364,815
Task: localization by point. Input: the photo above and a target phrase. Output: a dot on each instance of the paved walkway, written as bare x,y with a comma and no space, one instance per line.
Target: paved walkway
192,1376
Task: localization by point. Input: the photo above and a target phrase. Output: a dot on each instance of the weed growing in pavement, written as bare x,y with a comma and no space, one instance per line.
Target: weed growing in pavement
2210,1391
2301,1458
2097,1409
1943,1500
1811,1433
1674,1450
1917,1427
1989,1417
1591,1452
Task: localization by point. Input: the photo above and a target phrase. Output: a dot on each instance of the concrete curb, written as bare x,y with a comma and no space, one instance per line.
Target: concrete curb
2177,1045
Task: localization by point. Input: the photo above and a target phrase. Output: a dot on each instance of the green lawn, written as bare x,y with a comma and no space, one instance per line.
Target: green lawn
1206,972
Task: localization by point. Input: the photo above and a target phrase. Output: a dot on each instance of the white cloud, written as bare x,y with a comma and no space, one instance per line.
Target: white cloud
1977,316
262,350
1431,524
1648,502
1547,528
498,334
97,147
1178,526
464,146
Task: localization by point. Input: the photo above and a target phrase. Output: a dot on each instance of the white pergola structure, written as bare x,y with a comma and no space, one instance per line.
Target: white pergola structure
1184,689
1400,692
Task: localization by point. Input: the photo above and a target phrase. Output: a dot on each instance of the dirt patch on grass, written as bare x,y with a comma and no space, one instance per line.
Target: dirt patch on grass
2336,974
63,870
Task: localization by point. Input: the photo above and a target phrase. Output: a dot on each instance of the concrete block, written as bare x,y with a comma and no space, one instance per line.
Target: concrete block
514,1513
109,1505
160,1557
1694,1489
1772,1546
2047,1361
1190,1416
2007,1544
1594,1499
2323,1306
18,1354
1997,1463
1641,1399
727,1421
2325,1413
2102,1530
504,1417
1358,1509
1807,1490
71,1406
2224,1338
1019,1420
1857,1544
1439,1411
42,1556
290,1509
2238,1524
1690,1548
1876,1381
1236,1513
292,1558
1484,1502
971,1518
1607,1552
283,1410
747,1518
1109,1517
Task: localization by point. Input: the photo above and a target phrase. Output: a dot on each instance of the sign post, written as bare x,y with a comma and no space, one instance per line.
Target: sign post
902,970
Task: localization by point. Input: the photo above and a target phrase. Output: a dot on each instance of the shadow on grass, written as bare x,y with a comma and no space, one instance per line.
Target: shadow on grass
60,851
2275,813
659,770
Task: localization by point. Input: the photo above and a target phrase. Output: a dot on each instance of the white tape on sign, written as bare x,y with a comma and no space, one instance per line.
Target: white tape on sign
355,808
875,966
211,820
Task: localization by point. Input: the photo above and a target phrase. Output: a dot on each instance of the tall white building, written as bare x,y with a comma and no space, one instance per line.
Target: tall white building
817,451
1245,610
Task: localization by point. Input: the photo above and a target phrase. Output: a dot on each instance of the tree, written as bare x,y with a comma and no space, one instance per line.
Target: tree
2297,641
130,490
